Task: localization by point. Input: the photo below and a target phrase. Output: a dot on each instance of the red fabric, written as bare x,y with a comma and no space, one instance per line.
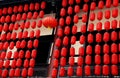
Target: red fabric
65,41
79,71
87,70
97,59
106,59
80,61
97,49
89,49
88,59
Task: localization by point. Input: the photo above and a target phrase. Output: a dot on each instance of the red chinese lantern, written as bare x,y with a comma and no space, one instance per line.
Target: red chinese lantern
100,15
97,59
114,59
10,10
88,59
35,15
15,56
92,16
18,18
114,24
76,9
11,46
93,6
98,37
71,61
84,18
1,63
67,30
23,44
71,2
22,25
70,71
4,11
5,27
62,72
114,36
105,70
49,22
24,72
16,26
97,70
33,25
62,61
106,37
21,54
39,24
89,49
91,27
56,53
37,33
101,4
82,39
62,12
114,48
115,13
105,48
78,1
1,27
13,64
17,72
1,45
26,7
86,1
37,6
25,34
27,55
114,70
97,49
29,44
7,19
87,70
64,3
11,26
43,5
4,73
99,26
72,51
58,42
65,41
107,25
26,63
6,64
29,15
107,14
3,37
34,53
75,19
115,3
90,38
19,62
80,61
55,63
81,51
13,18
73,40
9,54
15,9
68,20
106,59
83,28
11,73
61,21
30,71
0,12
20,35
35,43
32,6
32,62
60,32
20,8
24,16
79,71
85,7
54,73
108,3
5,46
27,24
41,14
64,52
74,29
2,19
70,10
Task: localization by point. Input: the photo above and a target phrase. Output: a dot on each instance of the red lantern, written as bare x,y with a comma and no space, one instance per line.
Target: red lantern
83,28
60,32
67,30
108,3
62,72
25,34
70,10
26,6
84,18
41,14
18,44
19,62
68,20
1,27
114,48
15,9
93,6
4,11
54,73
114,70
1,63
64,3
80,61
87,70
21,54
99,26
65,41
5,46
90,38
74,29
81,51
29,15
0,12
35,43
11,26
76,9
75,19
4,73
82,39
115,13
18,18
37,33
16,26
105,48
1,45
30,71
101,4
97,70
85,7
33,25
11,46
15,56
22,25
78,1
37,6
2,19
5,27
27,55
17,72
71,61
7,19
107,25
98,37
20,8
23,44
24,72
20,35
72,51
71,2
32,62
32,6
3,37
114,36
49,22
107,14
24,16
35,15
61,22
39,23
79,71
58,42
106,59
6,64
13,18
62,61
10,10
114,24
56,53
91,27
88,59
97,59
13,64
100,15
26,63
105,70
106,37
34,53
97,49
89,49
86,1
70,71
115,3
73,40
27,24
11,73
114,59
55,63
62,12
29,44
43,5
92,16
64,52
9,54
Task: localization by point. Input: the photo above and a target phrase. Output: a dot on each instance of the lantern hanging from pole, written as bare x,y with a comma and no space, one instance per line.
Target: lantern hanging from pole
49,22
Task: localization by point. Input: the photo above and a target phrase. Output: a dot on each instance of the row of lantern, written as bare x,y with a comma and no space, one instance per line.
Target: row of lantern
24,16
17,72
20,35
107,14
22,8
